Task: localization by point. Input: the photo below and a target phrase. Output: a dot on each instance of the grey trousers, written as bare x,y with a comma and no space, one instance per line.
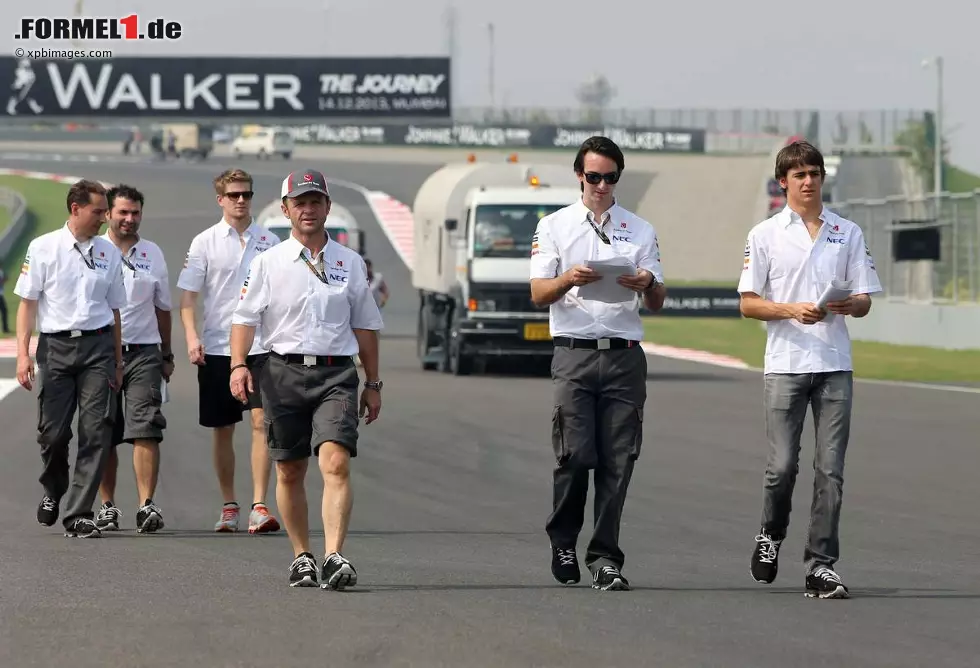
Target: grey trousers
75,373
597,424
786,399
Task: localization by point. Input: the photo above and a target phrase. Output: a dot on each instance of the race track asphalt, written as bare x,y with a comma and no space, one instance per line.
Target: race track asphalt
452,489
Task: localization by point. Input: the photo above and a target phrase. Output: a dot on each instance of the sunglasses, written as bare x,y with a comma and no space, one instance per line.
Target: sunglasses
595,177
246,195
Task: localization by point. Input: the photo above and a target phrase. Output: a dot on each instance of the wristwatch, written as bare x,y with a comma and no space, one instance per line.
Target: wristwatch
373,385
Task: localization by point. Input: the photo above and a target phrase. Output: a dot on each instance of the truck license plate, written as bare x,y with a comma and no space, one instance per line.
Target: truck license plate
537,331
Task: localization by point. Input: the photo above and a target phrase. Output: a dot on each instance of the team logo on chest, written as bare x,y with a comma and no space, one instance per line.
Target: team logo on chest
621,232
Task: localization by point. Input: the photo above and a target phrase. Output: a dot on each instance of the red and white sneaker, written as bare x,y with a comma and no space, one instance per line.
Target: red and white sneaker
260,520
229,519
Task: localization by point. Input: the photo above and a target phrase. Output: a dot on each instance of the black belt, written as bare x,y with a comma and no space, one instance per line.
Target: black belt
129,347
314,360
77,333
595,344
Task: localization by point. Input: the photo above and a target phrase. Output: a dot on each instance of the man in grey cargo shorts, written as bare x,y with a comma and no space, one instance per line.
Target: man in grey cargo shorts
599,368
311,298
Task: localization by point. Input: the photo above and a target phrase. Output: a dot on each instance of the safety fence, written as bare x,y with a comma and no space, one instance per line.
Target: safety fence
926,248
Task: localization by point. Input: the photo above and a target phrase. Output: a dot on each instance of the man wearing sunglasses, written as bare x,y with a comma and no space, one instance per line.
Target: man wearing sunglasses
216,264
599,368
71,284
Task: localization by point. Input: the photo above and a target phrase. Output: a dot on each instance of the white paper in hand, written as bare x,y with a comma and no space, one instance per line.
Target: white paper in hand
835,291
164,392
606,289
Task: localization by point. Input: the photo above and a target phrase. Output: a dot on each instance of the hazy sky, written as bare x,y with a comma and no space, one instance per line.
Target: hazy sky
835,54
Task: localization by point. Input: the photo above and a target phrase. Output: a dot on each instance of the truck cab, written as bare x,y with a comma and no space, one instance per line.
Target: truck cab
474,226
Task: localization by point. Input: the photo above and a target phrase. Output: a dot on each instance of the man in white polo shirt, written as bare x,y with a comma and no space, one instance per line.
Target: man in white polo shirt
216,264
789,261
71,284
311,297
148,358
599,369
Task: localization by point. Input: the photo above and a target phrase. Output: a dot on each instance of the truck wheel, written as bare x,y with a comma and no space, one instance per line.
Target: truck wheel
458,364
422,339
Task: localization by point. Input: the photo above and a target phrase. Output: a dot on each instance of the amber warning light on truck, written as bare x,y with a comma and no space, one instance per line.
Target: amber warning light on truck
97,28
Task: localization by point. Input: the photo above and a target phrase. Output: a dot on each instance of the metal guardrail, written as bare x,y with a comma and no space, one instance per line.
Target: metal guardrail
955,277
15,203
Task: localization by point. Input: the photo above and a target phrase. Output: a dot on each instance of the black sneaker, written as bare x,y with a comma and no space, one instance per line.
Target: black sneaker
108,517
338,573
608,578
149,518
82,528
765,558
825,583
302,572
564,565
47,511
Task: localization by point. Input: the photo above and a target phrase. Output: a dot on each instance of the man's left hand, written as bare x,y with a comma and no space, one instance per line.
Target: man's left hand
119,378
168,370
638,282
370,404
844,307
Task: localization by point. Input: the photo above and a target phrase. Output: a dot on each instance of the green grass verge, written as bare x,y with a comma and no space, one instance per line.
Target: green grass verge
746,340
960,181
46,212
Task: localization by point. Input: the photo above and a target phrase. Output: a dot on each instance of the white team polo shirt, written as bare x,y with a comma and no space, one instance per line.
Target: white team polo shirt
299,313
77,284
147,284
216,264
564,239
784,265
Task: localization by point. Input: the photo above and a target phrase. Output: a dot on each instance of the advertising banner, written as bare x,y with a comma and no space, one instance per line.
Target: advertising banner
206,87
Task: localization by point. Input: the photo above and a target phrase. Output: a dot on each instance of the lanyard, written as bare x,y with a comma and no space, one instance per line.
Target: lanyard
127,262
89,261
599,233
309,265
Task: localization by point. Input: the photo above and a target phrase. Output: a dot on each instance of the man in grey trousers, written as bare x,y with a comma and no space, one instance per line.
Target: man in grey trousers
599,369
71,284
789,261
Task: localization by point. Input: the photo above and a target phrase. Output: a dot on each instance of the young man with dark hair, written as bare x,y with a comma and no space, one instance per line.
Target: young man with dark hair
789,260
599,369
216,264
71,284
311,297
149,360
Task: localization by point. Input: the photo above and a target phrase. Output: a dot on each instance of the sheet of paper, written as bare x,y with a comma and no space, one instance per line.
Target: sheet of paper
834,292
164,392
607,290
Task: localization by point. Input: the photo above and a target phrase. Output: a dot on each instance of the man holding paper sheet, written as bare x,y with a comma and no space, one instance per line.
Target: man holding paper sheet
148,361
590,262
804,269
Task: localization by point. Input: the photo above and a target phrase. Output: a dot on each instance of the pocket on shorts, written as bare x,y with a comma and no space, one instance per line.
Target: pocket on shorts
558,441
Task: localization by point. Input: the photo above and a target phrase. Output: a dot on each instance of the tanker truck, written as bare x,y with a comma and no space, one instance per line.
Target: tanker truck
473,229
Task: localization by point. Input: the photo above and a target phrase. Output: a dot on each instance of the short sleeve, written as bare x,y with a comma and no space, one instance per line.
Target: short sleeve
364,311
254,299
162,299
861,266
544,252
195,271
116,295
755,266
649,257
30,283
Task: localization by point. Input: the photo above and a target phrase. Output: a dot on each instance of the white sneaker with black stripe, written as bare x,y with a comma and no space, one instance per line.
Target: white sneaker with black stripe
302,572
823,582
338,572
